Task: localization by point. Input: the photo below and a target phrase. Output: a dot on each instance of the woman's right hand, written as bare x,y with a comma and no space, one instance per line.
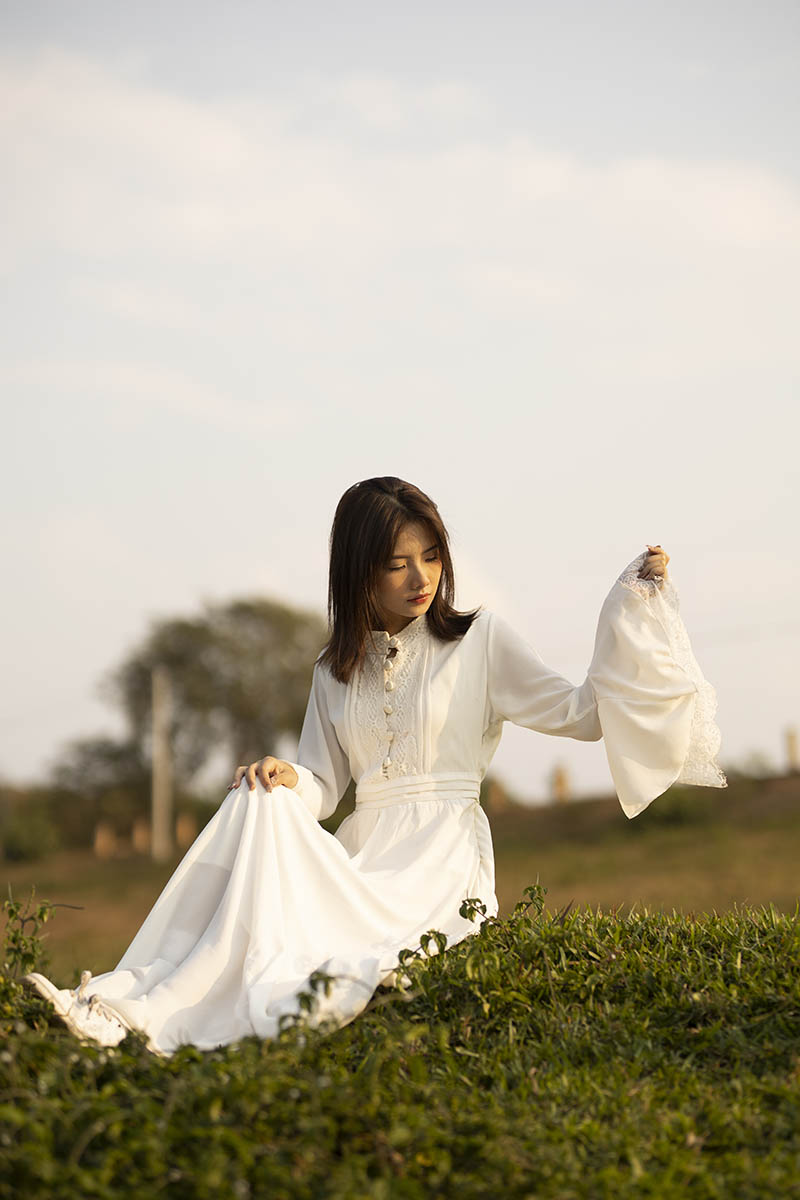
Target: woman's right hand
269,771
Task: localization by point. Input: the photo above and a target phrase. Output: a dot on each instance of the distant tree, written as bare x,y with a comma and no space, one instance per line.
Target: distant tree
240,674
96,777
756,764
96,766
27,828
240,677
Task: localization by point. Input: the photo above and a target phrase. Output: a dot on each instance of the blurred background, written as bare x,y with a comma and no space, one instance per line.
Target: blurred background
542,260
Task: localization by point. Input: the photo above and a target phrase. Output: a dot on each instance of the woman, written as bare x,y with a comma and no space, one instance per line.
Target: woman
408,698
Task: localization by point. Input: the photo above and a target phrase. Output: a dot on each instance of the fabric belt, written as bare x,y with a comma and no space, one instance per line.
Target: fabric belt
457,787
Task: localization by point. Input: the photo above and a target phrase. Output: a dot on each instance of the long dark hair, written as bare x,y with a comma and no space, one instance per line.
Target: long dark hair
366,525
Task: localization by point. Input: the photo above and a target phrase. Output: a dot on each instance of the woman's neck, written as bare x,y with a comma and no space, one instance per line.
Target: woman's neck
394,625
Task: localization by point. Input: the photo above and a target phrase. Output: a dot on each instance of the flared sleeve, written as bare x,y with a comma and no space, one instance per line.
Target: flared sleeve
644,693
323,769
656,709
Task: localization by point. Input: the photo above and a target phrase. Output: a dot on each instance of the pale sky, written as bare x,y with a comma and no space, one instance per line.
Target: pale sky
540,259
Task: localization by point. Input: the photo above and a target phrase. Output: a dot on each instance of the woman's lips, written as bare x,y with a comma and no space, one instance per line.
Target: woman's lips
419,599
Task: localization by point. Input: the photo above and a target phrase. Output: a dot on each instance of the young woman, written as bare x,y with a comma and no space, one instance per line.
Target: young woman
408,698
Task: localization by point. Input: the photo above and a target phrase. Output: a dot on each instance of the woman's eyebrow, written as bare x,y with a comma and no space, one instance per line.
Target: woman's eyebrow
435,546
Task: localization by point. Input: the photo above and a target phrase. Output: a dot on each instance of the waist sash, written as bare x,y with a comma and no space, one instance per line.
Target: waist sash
462,787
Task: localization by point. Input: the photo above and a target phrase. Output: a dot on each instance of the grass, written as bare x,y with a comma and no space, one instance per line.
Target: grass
693,850
587,1055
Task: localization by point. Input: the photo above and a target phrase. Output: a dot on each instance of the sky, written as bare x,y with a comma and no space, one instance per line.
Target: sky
540,259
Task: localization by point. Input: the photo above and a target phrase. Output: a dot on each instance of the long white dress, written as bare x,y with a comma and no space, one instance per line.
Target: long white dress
265,896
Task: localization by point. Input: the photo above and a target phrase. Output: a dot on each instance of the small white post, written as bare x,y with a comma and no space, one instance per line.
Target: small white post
161,796
559,784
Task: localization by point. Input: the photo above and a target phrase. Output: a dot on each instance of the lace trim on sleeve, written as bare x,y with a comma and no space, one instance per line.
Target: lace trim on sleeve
700,766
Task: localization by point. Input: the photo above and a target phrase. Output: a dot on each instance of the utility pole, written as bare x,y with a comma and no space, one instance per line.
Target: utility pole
161,795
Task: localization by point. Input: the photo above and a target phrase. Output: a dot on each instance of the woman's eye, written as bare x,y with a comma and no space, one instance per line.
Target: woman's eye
395,568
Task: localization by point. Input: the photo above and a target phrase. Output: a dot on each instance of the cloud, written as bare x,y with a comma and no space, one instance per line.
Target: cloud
133,394
245,221
243,225
385,104
110,162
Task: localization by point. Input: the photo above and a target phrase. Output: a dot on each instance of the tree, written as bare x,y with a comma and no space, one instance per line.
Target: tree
240,676
99,777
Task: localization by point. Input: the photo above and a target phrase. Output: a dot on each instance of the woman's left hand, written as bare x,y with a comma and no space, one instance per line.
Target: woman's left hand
655,565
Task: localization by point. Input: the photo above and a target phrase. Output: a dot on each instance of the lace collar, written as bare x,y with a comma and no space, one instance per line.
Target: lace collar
379,641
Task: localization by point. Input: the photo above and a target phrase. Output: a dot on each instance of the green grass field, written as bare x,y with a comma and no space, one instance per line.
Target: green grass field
583,1057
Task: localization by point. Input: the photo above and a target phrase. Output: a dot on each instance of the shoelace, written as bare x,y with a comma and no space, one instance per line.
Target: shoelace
96,1006
80,991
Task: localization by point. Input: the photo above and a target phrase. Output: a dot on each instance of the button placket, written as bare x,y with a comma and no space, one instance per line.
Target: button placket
388,708
391,693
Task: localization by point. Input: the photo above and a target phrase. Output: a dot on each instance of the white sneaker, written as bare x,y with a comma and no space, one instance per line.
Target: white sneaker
97,1022
86,1016
61,999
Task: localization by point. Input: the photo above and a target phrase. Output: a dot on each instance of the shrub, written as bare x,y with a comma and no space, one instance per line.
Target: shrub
584,1055
28,833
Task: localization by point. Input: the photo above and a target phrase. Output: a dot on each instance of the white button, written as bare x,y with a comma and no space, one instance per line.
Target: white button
392,643
389,685
390,736
387,762
388,665
387,708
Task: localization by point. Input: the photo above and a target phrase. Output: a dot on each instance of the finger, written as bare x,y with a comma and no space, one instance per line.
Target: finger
237,776
265,768
251,776
279,775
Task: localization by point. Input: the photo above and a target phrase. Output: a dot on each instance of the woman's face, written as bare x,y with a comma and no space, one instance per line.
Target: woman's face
408,583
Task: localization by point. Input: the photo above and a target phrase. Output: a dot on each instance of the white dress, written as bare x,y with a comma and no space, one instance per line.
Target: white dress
265,896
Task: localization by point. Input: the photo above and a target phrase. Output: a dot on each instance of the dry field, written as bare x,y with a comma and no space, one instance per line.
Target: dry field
744,849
